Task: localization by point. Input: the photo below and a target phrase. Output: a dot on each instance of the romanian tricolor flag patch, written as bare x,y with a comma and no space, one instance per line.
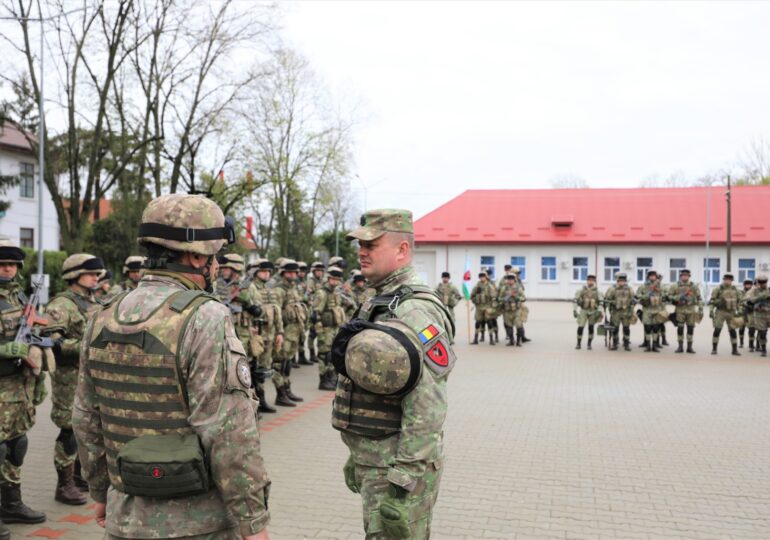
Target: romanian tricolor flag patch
428,334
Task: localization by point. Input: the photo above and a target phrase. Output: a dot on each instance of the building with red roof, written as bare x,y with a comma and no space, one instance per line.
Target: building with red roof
558,236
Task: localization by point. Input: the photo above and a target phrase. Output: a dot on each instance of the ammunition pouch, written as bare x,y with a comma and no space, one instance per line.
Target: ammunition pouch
164,466
10,366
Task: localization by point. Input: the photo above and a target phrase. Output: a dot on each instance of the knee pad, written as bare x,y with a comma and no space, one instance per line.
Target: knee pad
717,331
690,329
17,449
323,357
67,439
732,333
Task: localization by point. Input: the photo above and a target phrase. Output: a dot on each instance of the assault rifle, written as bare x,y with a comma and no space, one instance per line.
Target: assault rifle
29,318
243,284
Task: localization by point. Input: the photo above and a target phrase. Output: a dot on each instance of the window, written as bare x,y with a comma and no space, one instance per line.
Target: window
643,265
711,270
747,269
27,180
27,238
521,262
674,267
488,265
579,268
611,267
548,268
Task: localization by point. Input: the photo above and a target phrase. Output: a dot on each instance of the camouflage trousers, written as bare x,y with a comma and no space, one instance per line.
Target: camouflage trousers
761,320
722,317
64,382
589,316
325,338
229,534
622,317
281,369
16,419
373,486
512,318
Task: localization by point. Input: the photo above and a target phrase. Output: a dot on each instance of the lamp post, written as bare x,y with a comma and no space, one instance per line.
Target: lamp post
728,195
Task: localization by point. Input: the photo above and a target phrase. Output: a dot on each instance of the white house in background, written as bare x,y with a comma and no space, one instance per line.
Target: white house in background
558,237
20,221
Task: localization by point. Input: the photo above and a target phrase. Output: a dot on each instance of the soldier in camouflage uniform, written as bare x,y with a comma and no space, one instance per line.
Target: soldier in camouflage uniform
589,301
654,314
725,302
620,300
759,301
748,314
327,316
510,297
20,391
303,289
314,282
270,328
132,272
67,316
523,315
685,296
103,287
448,293
295,316
507,269
393,362
361,292
165,416
484,297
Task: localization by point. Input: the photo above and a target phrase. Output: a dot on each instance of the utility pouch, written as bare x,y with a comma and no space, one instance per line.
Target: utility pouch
164,466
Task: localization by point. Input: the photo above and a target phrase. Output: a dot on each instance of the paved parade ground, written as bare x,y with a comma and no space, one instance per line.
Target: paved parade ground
541,442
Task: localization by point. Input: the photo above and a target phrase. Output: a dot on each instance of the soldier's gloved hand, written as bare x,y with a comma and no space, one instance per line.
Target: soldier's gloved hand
574,313
394,513
41,392
349,470
313,317
13,349
255,310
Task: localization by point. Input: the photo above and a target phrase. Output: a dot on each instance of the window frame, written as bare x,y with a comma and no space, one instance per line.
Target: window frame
550,269
674,278
22,240
522,266
711,269
643,277
26,180
583,270
744,271
489,268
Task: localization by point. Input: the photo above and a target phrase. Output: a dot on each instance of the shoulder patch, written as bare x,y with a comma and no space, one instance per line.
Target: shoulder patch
439,356
244,373
427,334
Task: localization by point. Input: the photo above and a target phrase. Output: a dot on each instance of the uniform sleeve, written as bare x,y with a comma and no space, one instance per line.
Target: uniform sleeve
58,317
319,301
224,417
87,425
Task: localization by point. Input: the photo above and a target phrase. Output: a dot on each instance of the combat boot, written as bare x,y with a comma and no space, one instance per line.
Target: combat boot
647,345
482,336
325,382
735,350
519,336
303,361
588,345
5,533
491,337
66,490
741,345
690,349
264,406
509,335
751,345
281,399
627,345
77,475
763,354
524,338
614,345
313,354
680,349
663,340
475,338
655,346
714,348
578,346
294,362
291,395
13,509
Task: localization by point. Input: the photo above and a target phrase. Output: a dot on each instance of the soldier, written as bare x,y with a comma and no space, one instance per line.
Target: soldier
20,391
174,452
132,271
103,287
523,315
361,293
339,262
650,296
589,300
685,296
724,302
303,289
760,303
510,297
620,299
393,362
484,297
749,287
448,293
327,316
295,314
314,282
271,330
507,269
67,316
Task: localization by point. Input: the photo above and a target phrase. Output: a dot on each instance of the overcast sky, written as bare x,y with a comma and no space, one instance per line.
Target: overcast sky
459,95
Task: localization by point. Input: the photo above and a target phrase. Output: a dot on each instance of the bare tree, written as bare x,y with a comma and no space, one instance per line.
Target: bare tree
754,162
568,181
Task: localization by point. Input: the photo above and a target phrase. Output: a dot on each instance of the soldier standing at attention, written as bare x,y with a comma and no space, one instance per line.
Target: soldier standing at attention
295,316
748,313
685,295
361,292
270,328
391,400
483,297
132,271
620,299
650,296
760,302
507,269
103,287
314,282
328,315
165,418
67,316
448,293
523,315
302,285
509,297
725,301
20,391
588,299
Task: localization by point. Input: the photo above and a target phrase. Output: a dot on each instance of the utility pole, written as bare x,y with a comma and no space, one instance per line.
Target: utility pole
728,194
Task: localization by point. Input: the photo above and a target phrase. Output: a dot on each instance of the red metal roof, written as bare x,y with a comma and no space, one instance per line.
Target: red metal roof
599,216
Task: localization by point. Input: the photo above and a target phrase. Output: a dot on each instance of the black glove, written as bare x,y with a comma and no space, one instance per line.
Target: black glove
313,317
255,310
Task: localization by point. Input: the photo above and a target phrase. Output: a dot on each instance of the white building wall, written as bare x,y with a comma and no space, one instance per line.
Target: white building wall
453,259
23,212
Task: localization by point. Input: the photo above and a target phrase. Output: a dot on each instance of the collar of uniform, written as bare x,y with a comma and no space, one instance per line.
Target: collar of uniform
395,279
9,287
82,291
170,277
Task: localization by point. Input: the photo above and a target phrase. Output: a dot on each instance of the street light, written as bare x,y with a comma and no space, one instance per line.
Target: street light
364,187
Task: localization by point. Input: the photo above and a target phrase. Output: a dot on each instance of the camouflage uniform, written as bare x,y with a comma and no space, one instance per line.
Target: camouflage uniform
270,325
448,294
315,281
725,301
747,309
390,420
67,316
302,286
620,300
686,297
103,288
589,301
327,317
295,314
484,297
131,264
186,435
511,297
760,302
20,390
360,294
654,314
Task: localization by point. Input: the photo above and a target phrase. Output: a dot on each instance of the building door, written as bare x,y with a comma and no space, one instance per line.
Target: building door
424,263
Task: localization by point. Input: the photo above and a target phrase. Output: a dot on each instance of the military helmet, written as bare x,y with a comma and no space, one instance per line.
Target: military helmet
79,264
10,253
591,276
133,264
510,275
186,223
106,276
516,270
684,271
359,278
445,275
339,262
334,272
621,276
355,272
386,361
483,274
748,282
728,276
288,265
303,267
652,273
318,265
762,278
279,261
233,261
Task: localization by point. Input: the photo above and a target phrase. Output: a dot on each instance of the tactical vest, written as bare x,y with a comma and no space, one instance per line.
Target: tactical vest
484,295
685,294
10,315
761,300
269,302
333,313
730,299
359,411
135,370
624,299
294,311
589,298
